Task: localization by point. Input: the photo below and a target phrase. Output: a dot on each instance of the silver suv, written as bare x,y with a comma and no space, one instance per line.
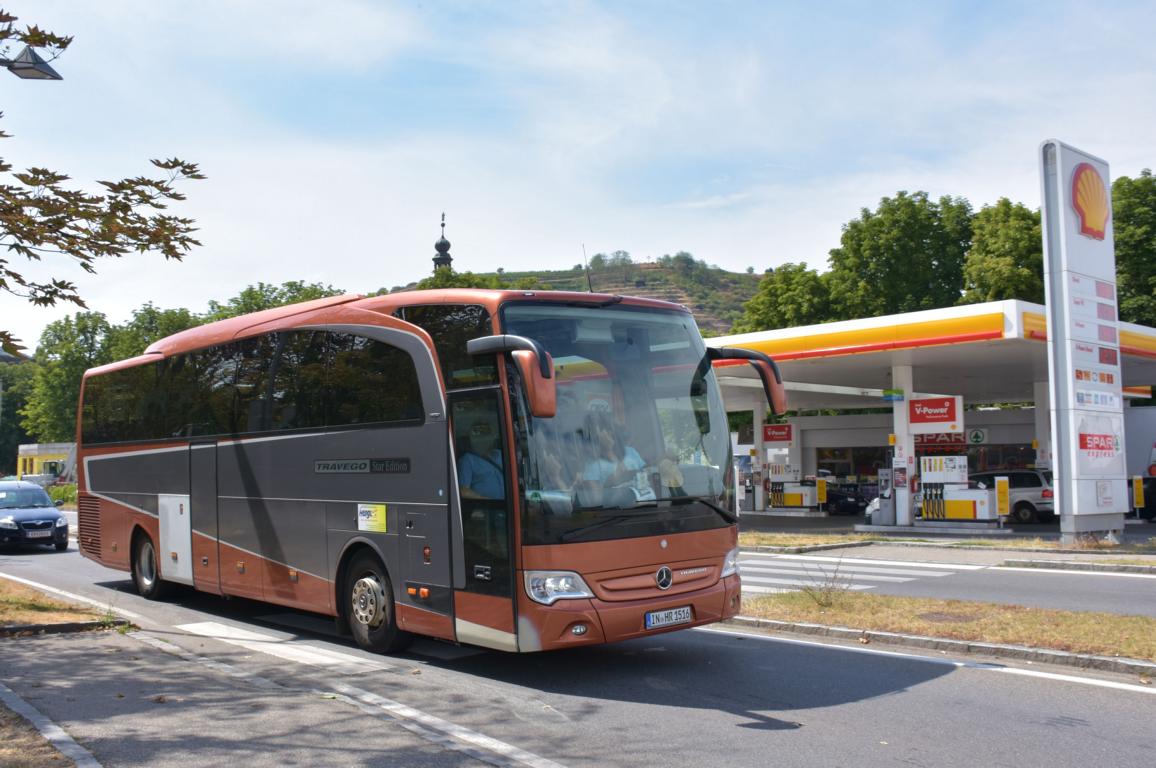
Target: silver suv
1032,498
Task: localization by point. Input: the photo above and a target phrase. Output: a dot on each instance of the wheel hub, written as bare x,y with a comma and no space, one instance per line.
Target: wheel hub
368,601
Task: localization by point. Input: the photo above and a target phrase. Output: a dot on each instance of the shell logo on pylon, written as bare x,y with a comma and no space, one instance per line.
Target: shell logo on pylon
1090,199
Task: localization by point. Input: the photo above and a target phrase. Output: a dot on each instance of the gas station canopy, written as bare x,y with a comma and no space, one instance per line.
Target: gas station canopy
988,353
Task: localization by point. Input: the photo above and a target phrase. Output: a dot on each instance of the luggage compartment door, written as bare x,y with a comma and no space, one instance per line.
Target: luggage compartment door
176,544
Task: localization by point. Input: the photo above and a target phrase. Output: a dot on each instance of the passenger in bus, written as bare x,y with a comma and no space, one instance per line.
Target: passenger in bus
480,473
554,472
613,462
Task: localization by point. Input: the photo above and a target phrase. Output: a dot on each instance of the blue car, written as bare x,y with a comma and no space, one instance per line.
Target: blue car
28,516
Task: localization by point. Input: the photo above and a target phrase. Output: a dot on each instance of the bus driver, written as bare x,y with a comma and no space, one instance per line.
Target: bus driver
480,467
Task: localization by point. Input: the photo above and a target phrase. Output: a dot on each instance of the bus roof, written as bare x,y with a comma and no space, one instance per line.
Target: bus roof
232,328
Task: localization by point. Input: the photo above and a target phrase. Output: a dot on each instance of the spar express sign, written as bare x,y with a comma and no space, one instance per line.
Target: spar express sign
935,414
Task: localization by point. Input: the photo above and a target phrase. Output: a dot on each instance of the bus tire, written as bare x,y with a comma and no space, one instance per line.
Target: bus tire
369,607
146,572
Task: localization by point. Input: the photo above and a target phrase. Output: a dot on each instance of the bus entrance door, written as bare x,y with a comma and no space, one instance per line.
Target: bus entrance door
484,609
203,516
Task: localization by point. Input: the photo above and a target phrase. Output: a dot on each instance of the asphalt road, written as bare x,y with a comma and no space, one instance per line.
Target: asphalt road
289,696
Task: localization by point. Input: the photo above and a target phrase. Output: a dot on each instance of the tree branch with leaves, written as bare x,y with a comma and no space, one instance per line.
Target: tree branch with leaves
42,219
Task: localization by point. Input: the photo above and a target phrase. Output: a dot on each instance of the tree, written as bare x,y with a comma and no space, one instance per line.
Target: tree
906,255
1006,258
446,277
41,218
266,296
621,260
15,384
148,324
1134,225
68,348
788,296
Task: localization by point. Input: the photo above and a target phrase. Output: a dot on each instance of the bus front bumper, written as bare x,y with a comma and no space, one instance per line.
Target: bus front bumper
569,623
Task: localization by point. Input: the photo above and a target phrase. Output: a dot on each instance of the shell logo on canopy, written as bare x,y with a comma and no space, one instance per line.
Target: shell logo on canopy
1090,199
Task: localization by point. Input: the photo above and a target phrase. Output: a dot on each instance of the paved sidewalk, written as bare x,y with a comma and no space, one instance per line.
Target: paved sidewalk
131,704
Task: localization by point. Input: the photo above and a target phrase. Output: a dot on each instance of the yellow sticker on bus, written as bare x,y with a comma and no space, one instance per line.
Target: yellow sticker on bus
371,517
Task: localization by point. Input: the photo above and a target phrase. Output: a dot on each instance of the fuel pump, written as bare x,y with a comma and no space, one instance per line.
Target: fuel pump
886,513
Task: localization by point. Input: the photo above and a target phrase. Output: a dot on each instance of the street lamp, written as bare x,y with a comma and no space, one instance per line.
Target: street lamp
29,66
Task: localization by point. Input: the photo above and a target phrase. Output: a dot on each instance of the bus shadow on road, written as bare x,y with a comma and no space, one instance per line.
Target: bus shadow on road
761,682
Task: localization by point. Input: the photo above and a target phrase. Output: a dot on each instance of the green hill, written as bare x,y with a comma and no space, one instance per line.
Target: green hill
714,295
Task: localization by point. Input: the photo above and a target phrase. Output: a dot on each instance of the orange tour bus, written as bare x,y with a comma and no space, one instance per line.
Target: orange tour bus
516,470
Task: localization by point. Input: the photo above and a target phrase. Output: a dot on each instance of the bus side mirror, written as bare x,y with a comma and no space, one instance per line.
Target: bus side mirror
541,392
534,363
769,373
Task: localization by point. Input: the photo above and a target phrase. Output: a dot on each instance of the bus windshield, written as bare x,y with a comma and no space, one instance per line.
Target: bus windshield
639,444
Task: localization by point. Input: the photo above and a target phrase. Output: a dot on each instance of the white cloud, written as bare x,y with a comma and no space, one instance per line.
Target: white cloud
748,142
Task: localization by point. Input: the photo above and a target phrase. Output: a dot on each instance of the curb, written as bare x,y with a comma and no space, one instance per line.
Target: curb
1016,652
17,630
1077,565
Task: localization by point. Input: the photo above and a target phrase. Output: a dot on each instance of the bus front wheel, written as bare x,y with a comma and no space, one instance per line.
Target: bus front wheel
145,571
369,606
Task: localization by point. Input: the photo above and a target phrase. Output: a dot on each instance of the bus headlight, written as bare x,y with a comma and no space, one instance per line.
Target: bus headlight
547,586
730,563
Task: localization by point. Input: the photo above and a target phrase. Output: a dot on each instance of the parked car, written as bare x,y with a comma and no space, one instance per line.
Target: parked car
1032,498
842,502
29,516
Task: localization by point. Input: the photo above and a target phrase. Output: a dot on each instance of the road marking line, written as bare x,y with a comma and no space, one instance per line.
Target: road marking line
72,596
868,561
429,727
287,649
800,583
836,575
461,733
977,665
1075,573
843,568
55,735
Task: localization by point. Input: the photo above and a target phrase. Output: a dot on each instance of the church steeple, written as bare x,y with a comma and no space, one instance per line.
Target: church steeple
442,246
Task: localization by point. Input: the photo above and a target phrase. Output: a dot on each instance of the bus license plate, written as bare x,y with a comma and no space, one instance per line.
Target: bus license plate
38,534
667,618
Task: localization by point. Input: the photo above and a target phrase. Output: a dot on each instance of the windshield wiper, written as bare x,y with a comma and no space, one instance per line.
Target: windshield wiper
618,518
723,513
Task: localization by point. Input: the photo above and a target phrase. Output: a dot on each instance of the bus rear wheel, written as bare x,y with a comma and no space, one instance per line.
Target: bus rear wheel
369,606
146,573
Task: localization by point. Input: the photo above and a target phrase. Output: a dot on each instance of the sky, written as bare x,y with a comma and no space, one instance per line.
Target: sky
334,134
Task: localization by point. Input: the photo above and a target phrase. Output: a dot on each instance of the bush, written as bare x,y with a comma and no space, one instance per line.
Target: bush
65,493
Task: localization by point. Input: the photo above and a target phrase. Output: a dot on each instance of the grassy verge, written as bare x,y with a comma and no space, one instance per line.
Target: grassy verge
1088,545
1103,634
23,605
764,539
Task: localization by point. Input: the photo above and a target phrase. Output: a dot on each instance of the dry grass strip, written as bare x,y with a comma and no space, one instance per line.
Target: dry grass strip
21,746
24,605
1101,634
